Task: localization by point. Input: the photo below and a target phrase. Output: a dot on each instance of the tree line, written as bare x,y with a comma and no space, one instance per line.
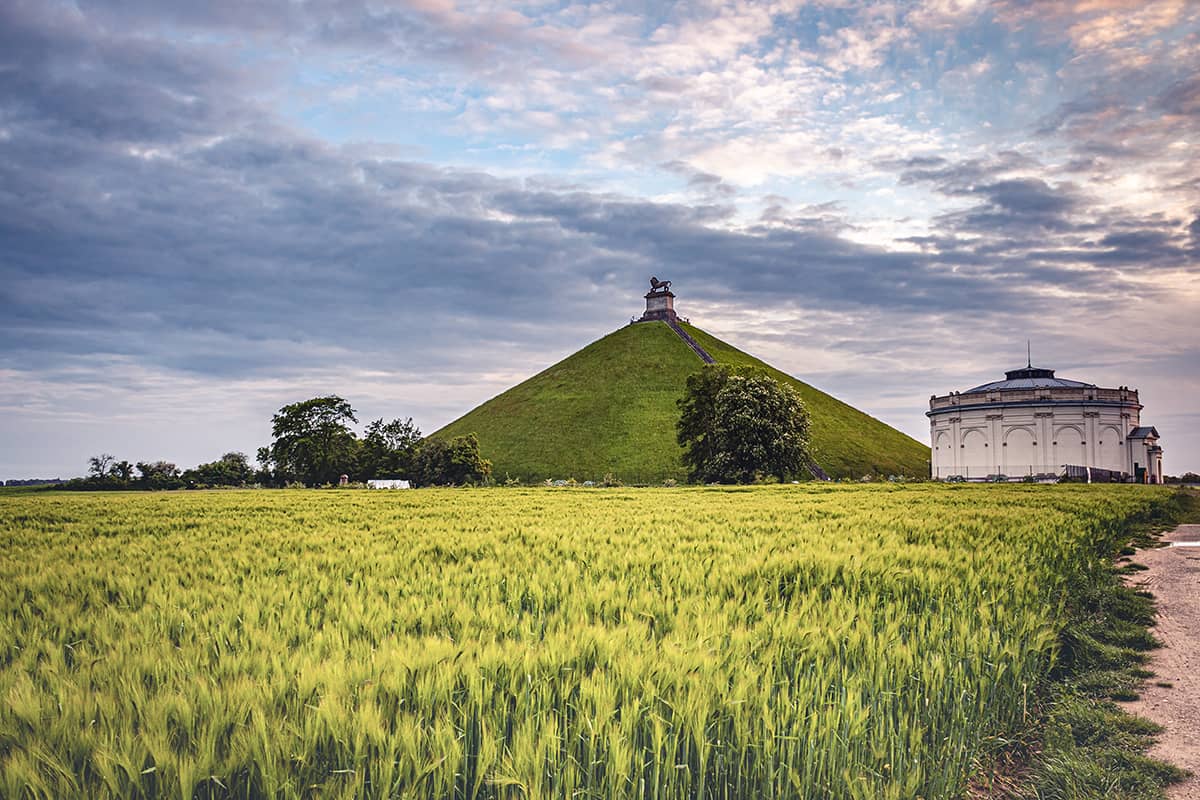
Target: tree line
735,426
106,472
312,444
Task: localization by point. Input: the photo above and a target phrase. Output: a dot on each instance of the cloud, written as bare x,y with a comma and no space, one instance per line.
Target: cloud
1181,98
269,201
222,242
63,79
945,14
1055,239
705,183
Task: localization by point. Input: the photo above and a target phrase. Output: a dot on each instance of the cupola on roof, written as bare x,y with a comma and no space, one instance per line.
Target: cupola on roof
1030,377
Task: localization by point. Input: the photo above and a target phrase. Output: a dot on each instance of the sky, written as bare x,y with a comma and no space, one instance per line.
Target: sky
209,210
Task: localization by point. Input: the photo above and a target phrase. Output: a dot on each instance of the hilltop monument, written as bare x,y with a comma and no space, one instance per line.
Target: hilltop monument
660,302
660,307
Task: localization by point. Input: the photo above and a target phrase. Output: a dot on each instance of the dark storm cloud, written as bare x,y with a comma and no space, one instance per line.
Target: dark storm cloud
1181,97
956,177
1121,119
149,210
1027,196
829,218
496,40
1003,202
1080,110
1019,224
259,242
705,182
1012,206
213,14
61,76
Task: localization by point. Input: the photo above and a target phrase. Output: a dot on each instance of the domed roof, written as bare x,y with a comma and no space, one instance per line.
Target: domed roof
1030,377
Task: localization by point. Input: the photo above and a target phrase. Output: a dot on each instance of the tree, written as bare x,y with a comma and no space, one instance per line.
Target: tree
232,469
696,428
388,449
159,475
264,473
105,472
100,466
453,463
312,440
737,427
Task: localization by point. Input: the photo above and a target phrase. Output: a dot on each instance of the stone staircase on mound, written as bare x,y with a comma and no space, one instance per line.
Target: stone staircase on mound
690,342
816,471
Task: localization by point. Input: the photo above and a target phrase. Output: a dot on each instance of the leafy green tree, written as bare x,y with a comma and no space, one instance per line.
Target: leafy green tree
312,441
100,466
696,428
388,449
737,427
232,469
159,475
104,472
264,473
453,463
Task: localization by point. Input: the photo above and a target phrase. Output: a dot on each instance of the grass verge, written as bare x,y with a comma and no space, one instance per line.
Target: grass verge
1084,745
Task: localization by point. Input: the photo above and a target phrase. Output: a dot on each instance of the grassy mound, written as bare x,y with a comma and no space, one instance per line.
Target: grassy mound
611,408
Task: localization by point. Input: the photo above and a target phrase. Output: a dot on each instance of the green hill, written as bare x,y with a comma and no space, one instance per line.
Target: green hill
611,407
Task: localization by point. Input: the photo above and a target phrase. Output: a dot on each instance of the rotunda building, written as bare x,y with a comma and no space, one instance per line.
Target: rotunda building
1034,425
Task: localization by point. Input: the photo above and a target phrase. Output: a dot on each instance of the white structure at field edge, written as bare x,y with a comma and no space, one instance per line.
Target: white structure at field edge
1034,424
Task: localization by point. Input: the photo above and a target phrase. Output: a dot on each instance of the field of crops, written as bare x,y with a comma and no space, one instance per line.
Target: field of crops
828,642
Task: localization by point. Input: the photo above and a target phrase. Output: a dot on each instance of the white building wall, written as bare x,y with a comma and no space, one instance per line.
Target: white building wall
1110,452
1033,439
1020,454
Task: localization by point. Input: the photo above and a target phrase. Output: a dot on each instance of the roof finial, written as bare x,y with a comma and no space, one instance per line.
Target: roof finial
1028,355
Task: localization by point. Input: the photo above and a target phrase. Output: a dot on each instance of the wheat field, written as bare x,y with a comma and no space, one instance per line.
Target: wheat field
787,642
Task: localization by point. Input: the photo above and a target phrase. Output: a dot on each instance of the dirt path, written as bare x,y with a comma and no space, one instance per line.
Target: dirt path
1174,578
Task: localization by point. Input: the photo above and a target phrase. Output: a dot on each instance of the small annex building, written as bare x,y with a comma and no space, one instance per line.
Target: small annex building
1033,425
387,484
